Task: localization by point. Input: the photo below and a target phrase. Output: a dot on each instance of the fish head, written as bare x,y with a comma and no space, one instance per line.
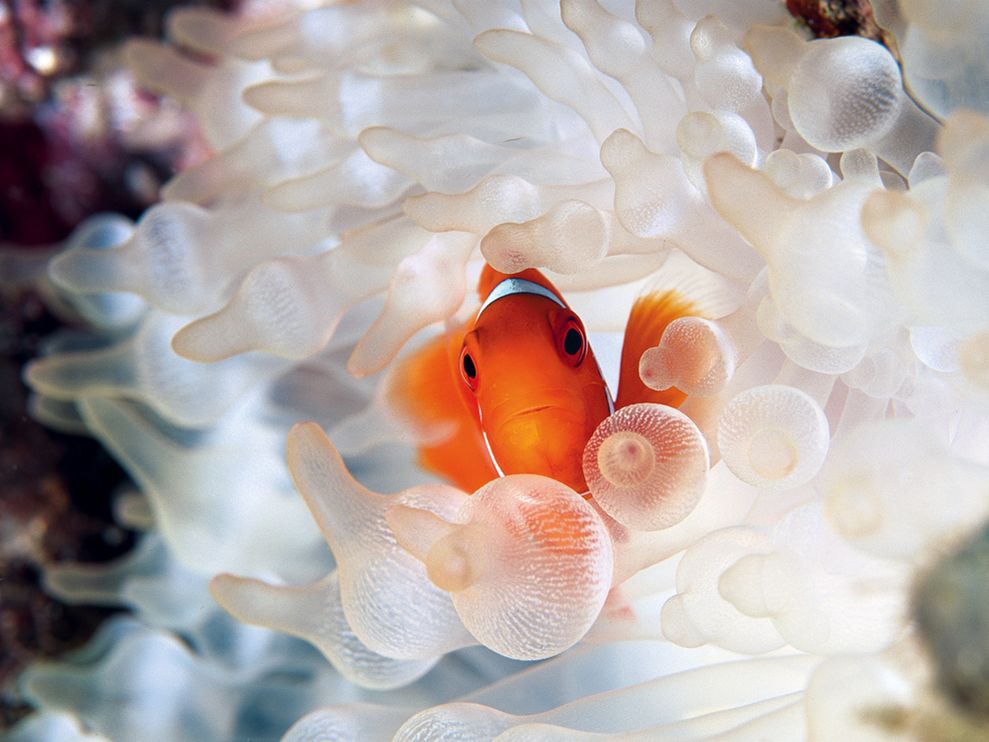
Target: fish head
527,364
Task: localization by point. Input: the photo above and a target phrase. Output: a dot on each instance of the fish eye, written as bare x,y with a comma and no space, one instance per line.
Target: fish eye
469,369
573,342
573,345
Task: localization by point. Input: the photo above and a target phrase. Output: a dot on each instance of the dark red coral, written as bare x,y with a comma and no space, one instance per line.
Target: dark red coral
828,19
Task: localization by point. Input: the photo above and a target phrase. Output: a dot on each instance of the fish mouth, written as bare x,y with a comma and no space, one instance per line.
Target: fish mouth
533,410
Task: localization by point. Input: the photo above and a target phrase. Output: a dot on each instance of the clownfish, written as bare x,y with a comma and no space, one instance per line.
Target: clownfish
517,389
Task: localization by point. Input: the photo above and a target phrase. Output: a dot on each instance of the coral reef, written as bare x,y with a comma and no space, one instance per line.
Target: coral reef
54,505
742,565
78,135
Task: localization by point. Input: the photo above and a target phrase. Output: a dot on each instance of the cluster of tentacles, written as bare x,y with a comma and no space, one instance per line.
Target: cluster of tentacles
757,544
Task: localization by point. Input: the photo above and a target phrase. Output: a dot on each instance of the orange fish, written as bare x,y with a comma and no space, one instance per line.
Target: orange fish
517,389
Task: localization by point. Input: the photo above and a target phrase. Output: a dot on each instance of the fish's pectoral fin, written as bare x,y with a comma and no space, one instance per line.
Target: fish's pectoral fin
424,390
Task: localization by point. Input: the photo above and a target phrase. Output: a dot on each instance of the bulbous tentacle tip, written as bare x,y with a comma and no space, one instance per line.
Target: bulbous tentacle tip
90,270
695,355
721,163
619,150
251,601
362,362
774,436
528,565
655,371
449,563
725,173
318,471
198,342
862,110
293,196
428,286
894,222
701,134
296,98
734,186
417,531
571,237
307,437
735,586
223,588
63,271
268,313
646,466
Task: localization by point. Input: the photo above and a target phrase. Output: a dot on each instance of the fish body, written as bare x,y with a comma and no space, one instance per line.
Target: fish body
518,387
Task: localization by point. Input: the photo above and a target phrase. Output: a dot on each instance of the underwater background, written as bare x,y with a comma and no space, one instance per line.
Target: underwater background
221,220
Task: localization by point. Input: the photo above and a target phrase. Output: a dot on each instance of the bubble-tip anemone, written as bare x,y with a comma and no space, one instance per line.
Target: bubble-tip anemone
363,160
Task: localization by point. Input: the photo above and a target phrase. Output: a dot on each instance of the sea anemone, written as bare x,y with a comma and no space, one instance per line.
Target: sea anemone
742,565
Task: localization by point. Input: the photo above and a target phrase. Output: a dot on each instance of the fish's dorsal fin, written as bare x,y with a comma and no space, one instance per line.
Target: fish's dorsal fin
680,288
